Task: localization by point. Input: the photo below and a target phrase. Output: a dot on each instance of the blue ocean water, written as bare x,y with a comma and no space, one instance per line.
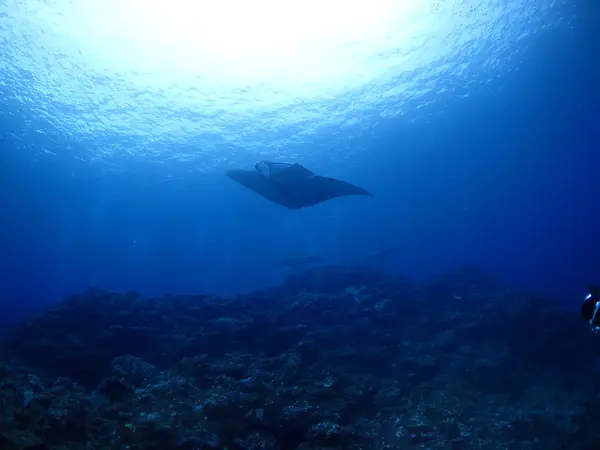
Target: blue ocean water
474,123
150,302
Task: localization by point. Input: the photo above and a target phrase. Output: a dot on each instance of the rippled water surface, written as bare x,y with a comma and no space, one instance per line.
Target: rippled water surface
113,81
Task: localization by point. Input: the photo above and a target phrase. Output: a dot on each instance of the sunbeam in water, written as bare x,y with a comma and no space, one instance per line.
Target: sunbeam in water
211,83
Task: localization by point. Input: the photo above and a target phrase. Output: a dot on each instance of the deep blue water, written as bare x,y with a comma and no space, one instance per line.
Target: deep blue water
493,166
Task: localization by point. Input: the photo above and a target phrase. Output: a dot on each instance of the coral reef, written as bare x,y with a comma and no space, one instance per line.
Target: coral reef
336,358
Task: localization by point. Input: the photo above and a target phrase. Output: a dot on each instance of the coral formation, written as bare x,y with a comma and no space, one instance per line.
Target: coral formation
336,358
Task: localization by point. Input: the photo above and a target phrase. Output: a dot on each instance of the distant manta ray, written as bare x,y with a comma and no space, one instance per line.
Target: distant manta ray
292,185
301,261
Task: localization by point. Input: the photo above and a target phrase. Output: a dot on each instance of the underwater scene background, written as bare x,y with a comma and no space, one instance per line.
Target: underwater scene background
151,302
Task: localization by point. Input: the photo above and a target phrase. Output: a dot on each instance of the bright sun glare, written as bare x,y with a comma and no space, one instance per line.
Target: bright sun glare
236,41
207,78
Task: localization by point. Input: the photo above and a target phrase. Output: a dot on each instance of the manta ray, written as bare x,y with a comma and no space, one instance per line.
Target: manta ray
301,261
292,185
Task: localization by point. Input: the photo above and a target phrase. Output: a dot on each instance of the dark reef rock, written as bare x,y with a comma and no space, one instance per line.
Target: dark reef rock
336,358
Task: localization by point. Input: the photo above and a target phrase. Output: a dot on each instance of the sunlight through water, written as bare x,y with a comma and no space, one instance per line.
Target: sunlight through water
211,83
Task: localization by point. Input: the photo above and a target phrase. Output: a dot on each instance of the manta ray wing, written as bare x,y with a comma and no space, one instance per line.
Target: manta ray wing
258,183
324,188
309,191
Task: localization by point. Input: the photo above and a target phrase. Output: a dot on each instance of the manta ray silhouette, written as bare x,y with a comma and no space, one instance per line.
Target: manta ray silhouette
292,185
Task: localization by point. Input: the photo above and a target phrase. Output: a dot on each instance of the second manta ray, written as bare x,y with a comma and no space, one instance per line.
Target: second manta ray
292,185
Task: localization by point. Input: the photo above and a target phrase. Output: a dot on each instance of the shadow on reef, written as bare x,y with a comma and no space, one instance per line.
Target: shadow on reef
336,358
